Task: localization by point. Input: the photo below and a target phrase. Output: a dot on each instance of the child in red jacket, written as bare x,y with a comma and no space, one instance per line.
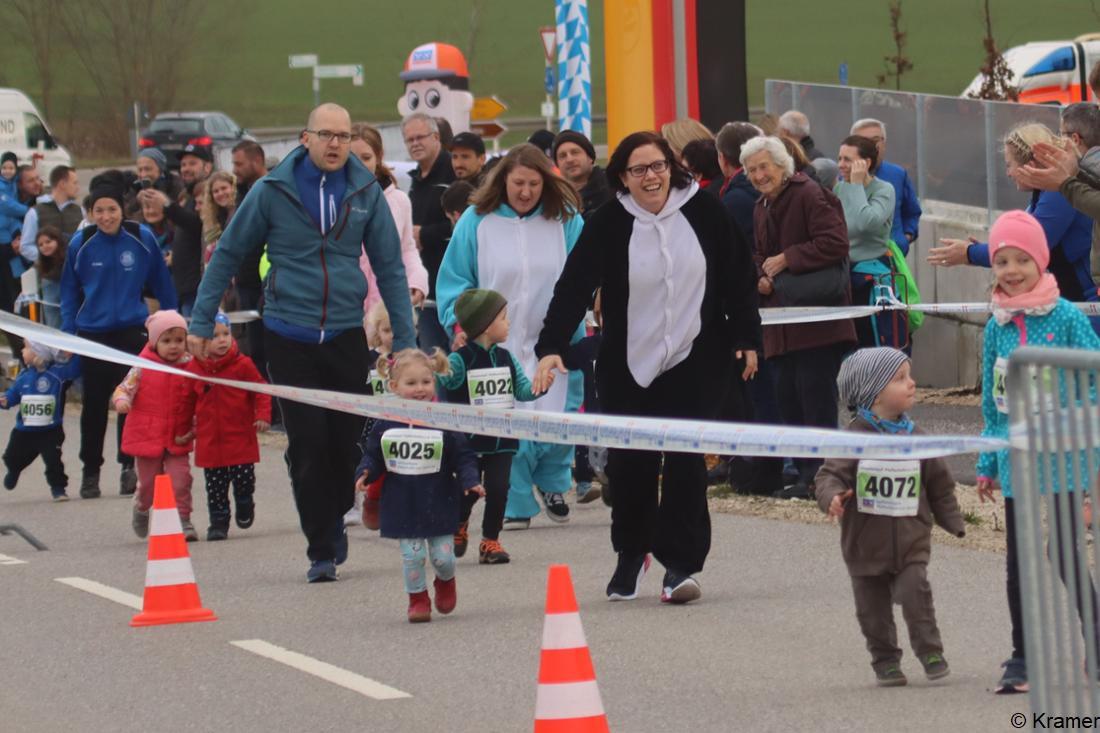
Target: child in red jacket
226,422
158,433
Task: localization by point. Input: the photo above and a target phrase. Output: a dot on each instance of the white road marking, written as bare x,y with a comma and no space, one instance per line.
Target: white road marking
324,670
9,560
103,591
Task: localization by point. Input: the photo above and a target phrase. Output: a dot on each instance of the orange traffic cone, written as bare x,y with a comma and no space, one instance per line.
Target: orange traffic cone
171,595
568,699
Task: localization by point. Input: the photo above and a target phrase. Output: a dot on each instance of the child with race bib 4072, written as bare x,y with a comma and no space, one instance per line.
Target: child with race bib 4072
427,472
1027,311
886,509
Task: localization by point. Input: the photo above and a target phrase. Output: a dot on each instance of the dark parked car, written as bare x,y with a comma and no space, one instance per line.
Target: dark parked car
172,131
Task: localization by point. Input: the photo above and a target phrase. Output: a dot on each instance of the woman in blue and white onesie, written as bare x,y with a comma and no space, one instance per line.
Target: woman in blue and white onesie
515,239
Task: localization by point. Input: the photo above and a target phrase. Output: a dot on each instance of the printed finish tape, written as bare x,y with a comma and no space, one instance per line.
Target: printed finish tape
610,431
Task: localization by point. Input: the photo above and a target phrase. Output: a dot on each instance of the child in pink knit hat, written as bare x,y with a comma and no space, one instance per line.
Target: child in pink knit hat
1027,311
158,430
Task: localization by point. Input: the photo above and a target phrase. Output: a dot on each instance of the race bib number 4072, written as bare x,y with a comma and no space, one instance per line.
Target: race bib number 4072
888,488
412,452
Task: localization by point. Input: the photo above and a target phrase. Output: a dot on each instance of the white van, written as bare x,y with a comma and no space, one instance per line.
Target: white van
24,132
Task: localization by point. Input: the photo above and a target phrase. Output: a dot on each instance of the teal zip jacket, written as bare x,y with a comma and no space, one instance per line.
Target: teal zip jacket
1064,327
315,284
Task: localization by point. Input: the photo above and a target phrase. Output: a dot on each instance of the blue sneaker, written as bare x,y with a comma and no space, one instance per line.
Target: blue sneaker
342,546
322,571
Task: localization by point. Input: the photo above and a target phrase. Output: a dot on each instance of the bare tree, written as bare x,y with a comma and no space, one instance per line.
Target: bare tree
996,74
132,50
899,63
476,7
36,21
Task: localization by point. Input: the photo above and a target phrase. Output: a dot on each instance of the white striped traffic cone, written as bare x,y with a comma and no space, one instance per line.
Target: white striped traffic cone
568,700
171,595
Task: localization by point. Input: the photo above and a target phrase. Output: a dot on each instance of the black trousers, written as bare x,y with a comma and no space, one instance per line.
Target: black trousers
243,479
26,445
660,501
1075,534
495,469
321,454
806,387
100,380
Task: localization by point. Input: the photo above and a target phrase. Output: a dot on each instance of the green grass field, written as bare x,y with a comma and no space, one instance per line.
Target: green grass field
241,66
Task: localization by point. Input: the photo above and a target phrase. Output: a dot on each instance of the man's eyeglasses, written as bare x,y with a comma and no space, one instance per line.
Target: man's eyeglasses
328,135
657,166
417,138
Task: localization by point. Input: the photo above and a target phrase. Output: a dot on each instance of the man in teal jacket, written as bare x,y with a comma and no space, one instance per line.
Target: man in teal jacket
316,211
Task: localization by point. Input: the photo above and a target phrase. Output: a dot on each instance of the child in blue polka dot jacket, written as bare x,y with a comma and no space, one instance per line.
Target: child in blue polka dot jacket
1027,311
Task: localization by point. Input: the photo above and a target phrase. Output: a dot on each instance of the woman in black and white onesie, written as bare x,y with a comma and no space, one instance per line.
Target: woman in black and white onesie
678,291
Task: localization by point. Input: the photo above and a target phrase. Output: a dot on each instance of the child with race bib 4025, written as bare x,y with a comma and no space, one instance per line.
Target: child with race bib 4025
886,509
485,374
1027,311
427,472
39,392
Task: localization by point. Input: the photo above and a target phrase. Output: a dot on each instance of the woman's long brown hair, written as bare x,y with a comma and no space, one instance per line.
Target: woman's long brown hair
559,200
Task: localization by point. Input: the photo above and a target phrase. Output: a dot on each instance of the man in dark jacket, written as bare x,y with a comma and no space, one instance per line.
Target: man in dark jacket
468,158
196,162
249,167
152,172
575,157
796,126
431,228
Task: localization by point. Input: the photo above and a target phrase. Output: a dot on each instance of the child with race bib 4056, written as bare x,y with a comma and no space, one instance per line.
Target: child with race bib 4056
485,374
886,509
1027,311
427,472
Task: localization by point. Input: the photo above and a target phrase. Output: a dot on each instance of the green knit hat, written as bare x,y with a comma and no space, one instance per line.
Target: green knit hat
476,310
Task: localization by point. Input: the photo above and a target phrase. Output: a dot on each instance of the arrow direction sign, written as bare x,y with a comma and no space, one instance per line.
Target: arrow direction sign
303,60
338,71
489,129
486,108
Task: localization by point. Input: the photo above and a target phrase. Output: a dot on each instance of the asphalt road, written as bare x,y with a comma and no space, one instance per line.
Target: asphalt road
772,646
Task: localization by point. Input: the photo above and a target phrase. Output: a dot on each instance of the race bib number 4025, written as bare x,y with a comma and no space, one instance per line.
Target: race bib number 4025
412,452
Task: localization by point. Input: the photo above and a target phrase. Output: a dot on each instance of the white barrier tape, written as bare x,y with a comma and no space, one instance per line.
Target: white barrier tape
611,431
815,314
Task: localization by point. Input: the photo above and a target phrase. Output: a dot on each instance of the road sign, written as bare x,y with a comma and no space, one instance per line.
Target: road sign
549,35
548,109
303,60
489,129
338,71
486,108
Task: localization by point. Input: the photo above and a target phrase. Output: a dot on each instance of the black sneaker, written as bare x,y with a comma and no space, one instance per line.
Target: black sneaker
890,676
246,513
127,482
89,486
629,571
795,491
556,508
322,571
10,480
217,532
679,589
1014,679
935,666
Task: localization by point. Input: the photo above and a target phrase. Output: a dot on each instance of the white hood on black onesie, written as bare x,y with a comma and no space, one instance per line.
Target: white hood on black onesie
667,278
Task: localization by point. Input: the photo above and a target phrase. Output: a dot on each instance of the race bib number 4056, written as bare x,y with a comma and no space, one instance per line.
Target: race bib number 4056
888,488
37,410
491,387
412,452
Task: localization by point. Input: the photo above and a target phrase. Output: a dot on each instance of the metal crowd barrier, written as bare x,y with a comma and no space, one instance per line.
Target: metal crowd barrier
1055,414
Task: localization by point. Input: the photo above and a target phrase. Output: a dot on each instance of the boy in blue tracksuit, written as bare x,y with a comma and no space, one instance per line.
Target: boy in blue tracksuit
109,267
39,392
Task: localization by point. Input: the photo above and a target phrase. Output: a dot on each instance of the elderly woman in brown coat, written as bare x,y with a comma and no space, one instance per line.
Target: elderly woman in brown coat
802,259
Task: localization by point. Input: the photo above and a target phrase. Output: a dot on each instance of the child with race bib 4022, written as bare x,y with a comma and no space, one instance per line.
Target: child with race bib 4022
886,509
485,374
427,472
1027,311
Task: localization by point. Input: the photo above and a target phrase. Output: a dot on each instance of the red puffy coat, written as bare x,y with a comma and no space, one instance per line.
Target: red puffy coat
225,416
160,411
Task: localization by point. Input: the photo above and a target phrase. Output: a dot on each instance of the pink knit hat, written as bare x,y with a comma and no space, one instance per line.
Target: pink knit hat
160,322
1021,230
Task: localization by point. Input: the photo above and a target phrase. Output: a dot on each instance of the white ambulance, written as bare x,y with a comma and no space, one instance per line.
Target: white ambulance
24,132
